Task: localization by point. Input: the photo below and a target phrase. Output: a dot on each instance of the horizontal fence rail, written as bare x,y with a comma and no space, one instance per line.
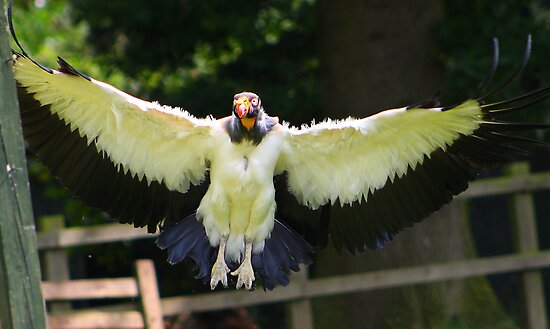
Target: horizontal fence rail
351,283
87,235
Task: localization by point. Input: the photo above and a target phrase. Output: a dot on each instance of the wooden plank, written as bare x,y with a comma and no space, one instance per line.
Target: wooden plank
21,305
229,299
300,310
96,319
79,236
56,261
524,226
427,274
90,289
535,303
359,282
148,290
506,185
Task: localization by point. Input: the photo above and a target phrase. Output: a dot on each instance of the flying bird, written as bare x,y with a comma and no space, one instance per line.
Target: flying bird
221,190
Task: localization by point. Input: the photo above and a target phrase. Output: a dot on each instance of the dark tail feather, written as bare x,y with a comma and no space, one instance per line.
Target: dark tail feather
283,251
187,239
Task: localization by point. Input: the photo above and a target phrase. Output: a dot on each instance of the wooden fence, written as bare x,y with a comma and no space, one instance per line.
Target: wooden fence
528,260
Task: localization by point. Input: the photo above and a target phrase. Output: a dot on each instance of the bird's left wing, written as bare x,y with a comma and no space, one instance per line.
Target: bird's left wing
117,152
397,166
346,160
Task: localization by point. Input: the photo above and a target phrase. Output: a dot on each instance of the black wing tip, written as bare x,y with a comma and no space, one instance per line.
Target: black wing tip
16,53
494,65
511,104
518,70
487,80
23,53
64,66
67,68
12,30
517,103
434,101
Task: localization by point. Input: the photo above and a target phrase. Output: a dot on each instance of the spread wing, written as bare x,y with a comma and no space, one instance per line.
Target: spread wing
129,157
387,171
346,160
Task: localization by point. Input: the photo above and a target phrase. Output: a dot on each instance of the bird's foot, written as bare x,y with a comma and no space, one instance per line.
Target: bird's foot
245,272
219,273
245,275
220,268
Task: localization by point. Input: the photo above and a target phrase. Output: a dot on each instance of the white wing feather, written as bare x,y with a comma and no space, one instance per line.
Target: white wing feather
156,142
344,160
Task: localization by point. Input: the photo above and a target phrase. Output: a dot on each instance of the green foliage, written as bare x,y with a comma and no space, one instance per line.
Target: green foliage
48,31
197,54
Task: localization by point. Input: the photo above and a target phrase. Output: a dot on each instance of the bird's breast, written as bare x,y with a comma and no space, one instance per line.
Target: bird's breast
241,198
245,164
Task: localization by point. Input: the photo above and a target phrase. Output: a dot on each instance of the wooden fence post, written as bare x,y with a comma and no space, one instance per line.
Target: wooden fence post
149,292
524,225
301,314
21,305
56,261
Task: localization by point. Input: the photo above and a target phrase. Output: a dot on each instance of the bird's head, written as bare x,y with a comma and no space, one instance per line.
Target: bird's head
246,107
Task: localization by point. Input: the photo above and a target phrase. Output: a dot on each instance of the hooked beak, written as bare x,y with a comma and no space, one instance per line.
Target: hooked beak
242,106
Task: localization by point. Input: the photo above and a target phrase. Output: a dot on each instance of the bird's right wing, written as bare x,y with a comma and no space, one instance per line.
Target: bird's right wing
111,149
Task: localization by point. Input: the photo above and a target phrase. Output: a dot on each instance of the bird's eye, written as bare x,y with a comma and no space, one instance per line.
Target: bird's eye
254,101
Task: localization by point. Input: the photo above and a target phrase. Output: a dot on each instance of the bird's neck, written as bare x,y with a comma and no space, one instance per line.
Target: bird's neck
239,133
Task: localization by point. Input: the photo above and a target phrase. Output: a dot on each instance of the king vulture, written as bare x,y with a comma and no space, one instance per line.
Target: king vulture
219,190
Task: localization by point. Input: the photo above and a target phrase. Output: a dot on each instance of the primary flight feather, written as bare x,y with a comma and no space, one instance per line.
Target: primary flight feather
217,188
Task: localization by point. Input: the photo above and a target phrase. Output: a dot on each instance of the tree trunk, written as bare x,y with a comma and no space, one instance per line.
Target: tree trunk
376,55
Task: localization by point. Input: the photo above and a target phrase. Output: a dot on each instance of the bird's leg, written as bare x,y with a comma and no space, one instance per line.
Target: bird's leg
219,269
245,271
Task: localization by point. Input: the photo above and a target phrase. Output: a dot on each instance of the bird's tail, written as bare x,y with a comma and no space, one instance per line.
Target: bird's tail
186,239
284,251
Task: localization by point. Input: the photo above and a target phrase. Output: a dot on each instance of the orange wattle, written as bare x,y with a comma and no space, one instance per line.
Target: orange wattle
248,123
